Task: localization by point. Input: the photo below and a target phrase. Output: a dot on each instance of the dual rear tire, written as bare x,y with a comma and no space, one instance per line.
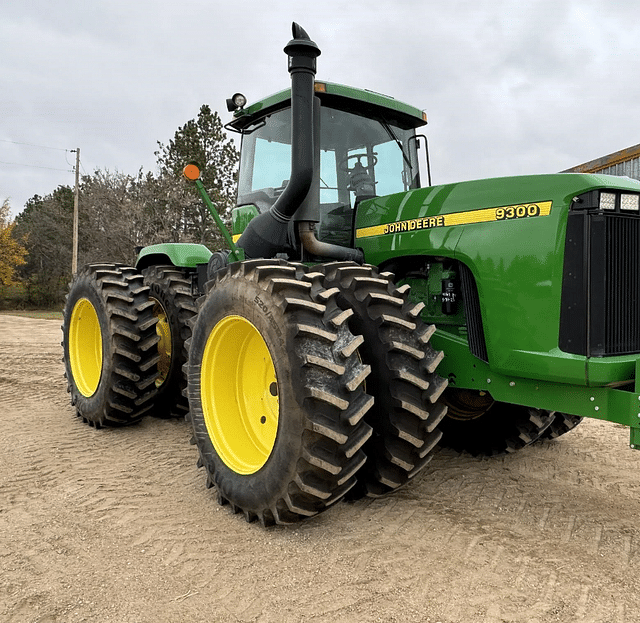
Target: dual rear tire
110,345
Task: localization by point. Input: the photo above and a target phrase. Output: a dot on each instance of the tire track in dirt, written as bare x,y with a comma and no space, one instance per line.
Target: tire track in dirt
116,525
544,524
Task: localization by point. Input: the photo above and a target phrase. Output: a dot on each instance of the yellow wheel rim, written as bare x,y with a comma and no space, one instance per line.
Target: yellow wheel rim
239,392
85,347
164,345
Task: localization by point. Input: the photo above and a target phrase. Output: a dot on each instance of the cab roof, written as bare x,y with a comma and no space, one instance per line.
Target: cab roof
367,103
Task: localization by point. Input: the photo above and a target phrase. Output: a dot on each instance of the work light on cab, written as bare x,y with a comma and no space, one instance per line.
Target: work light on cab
236,102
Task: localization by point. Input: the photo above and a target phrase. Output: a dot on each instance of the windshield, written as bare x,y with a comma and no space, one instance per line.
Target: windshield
360,158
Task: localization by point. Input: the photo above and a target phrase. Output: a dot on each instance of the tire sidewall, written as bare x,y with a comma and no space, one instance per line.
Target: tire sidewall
91,407
269,484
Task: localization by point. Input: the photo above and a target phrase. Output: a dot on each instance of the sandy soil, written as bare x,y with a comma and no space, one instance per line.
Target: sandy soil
116,525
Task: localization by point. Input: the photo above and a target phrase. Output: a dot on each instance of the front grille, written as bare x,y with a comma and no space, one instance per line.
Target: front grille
600,311
621,317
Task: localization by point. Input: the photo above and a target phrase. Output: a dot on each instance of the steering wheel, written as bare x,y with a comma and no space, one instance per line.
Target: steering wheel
344,163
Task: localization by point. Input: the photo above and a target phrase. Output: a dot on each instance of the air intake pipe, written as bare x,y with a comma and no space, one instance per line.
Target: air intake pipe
266,234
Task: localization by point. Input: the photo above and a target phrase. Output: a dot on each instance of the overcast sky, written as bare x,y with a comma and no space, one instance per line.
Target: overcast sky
510,87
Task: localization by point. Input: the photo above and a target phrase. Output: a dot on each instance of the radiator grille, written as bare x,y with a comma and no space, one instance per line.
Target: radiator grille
600,311
622,285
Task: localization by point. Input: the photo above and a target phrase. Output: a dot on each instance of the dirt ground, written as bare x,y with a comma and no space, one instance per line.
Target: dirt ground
117,526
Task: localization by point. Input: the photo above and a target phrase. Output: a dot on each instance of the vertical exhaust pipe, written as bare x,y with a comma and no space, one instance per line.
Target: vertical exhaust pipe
266,234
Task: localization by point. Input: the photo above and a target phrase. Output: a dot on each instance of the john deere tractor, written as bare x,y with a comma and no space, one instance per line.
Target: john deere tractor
357,319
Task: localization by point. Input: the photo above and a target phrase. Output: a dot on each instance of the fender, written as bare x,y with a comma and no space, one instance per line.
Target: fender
183,255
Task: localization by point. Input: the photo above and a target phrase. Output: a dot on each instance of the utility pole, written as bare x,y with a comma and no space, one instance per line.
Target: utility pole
74,258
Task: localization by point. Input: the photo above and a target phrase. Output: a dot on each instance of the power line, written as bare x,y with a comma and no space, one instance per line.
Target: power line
34,166
34,145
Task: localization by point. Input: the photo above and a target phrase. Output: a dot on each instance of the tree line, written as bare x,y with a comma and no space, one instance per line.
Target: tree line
118,212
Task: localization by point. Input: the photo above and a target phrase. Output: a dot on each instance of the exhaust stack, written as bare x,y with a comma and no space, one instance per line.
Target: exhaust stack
266,234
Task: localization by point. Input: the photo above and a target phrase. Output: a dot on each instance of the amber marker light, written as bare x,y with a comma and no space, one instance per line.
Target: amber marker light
191,172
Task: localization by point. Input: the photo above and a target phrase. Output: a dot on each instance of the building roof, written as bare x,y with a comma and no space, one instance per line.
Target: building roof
608,162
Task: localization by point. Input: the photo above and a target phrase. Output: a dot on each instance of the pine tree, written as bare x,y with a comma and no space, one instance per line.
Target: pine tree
204,142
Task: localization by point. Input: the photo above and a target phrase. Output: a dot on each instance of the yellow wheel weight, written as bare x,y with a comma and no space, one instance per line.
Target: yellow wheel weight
164,345
85,347
239,393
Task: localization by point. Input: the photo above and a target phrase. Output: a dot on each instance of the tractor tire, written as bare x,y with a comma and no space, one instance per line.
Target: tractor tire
562,424
403,380
173,306
477,424
109,341
276,392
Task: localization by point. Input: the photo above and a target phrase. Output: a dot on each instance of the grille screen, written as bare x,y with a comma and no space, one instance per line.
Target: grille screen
622,285
600,312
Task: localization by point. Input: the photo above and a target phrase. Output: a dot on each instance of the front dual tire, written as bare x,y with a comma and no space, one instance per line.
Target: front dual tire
173,306
483,427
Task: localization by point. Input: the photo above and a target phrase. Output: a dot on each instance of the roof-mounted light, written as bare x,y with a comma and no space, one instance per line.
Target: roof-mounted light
237,102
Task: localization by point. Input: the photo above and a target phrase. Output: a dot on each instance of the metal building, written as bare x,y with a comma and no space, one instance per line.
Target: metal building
623,162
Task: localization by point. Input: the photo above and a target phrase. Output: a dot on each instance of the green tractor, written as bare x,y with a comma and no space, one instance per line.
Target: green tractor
358,320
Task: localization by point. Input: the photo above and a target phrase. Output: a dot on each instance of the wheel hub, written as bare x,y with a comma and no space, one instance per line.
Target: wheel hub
239,391
466,404
85,347
164,345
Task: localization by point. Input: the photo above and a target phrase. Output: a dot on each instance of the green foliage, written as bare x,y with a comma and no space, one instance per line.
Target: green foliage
46,224
204,142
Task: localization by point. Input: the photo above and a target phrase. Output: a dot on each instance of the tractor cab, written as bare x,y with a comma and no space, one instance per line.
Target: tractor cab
364,146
